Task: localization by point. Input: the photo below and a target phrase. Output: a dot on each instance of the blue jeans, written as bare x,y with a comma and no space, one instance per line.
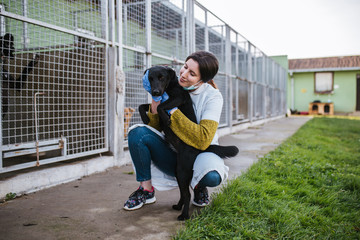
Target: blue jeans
146,146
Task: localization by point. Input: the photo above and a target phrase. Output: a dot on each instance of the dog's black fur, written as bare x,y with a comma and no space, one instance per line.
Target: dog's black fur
7,50
163,79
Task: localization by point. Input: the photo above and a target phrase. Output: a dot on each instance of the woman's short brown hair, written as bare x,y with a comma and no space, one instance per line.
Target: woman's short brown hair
208,64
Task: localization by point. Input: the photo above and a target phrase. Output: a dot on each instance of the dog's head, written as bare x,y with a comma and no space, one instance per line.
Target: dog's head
159,78
7,48
128,112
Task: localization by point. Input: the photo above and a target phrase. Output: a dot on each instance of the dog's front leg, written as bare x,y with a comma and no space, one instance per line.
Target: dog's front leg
183,176
143,108
167,105
184,198
185,212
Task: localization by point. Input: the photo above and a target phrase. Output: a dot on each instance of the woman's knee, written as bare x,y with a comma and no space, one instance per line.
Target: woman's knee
211,179
137,131
135,134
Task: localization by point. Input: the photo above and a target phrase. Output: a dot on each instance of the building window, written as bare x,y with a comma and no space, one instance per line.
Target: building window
324,82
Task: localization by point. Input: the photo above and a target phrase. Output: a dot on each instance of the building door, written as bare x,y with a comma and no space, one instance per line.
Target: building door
358,92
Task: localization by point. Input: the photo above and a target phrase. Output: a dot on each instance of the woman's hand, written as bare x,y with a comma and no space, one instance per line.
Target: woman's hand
154,106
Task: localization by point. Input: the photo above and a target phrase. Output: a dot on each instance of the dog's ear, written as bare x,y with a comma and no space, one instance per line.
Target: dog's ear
9,37
171,72
7,45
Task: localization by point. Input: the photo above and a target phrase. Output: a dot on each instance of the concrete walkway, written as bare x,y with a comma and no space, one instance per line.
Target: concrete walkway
91,207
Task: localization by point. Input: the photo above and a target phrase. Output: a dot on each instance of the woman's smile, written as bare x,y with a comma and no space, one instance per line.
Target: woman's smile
182,80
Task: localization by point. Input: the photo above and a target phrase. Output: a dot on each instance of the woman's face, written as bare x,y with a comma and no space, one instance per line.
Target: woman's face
189,73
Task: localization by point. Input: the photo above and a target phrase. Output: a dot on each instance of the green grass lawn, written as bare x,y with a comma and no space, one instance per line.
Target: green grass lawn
308,188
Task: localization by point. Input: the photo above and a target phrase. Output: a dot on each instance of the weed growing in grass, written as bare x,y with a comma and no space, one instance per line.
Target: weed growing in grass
308,188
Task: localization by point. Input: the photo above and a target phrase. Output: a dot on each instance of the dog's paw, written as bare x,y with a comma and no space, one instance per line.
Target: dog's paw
177,207
146,120
183,217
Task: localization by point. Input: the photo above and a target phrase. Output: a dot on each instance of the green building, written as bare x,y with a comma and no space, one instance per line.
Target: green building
328,80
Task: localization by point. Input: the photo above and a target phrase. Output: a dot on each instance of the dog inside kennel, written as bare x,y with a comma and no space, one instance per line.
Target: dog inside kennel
53,82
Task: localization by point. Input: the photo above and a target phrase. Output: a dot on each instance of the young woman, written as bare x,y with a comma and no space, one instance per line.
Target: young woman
154,159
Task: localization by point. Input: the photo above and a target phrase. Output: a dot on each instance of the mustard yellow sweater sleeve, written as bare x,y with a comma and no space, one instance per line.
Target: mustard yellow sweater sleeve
196,135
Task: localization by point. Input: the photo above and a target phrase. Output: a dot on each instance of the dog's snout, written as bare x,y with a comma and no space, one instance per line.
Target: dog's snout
156,92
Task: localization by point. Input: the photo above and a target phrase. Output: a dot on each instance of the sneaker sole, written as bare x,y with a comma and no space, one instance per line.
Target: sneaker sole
150,200
134,208
199,205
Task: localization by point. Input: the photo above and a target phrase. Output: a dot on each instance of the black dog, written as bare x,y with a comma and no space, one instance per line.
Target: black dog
7,51
7,48
163,79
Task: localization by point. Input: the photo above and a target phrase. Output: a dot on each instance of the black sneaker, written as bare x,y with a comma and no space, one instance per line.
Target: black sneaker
138,198
201,197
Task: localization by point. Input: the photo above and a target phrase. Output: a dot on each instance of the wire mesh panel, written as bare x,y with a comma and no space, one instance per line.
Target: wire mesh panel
216,38
221,82
259,100
168,29
269,102
217,45
134,59
134,66
243,100
242,60
234,99
53,83
201,28
134,21
167,39
240,100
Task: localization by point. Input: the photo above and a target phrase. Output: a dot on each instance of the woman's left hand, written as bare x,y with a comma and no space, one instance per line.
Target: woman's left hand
154,106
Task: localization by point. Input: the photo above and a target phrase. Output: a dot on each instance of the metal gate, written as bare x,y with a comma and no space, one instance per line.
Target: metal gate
53,81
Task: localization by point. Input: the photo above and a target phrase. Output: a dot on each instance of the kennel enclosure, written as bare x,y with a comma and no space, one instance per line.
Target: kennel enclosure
71,103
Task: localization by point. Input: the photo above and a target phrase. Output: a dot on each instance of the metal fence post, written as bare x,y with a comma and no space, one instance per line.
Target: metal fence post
206,32
25,25
111,56
116,84
1,113
148,32
190,25
264,86
237,74
228,104
105,8
250,87
254,85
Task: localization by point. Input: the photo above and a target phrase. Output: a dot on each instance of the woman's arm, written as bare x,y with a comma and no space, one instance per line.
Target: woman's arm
199,135
196,135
